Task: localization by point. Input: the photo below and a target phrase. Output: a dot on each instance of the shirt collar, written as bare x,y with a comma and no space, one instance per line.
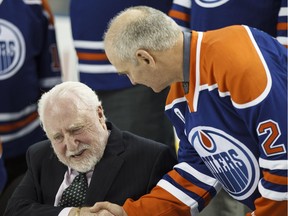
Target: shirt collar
186,60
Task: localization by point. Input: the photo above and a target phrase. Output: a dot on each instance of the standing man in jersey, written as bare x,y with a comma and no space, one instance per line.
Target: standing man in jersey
269,16
124,102
227,101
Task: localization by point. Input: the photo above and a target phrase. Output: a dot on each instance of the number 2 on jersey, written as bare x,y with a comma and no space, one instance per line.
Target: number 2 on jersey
272,132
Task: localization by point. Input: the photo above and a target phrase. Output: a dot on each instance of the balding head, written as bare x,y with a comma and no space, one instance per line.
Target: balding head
139,28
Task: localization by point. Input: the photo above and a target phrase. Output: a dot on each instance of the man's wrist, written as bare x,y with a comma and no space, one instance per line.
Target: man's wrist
75,211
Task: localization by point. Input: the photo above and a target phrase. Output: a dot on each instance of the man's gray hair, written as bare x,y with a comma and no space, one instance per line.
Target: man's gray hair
151,30
80,94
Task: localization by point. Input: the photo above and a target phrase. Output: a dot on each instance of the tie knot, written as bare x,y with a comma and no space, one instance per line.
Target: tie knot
81,179
81,176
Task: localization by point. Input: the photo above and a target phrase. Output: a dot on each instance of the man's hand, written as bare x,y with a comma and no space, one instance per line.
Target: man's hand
73,211
108,209
85,211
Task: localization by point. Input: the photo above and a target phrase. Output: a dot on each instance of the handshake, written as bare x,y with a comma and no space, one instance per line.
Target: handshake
99,209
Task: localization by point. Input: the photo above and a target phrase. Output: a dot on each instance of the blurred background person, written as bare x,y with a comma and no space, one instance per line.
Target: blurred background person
133,108
3,174
29,65
269,16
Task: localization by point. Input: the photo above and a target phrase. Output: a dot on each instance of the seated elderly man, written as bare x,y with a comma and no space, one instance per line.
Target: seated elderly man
86,159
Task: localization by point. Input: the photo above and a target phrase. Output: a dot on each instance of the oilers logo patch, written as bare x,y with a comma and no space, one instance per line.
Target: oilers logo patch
12,49
230,161
210,3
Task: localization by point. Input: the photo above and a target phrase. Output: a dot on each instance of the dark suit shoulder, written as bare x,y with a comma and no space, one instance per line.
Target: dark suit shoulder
142,142
40,150
121,141
146,148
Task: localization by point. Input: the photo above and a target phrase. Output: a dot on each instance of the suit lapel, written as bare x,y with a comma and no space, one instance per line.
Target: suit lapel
58,174
107,169
52,179
102,179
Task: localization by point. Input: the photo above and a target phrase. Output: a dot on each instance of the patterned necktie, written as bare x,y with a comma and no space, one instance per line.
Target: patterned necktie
74,195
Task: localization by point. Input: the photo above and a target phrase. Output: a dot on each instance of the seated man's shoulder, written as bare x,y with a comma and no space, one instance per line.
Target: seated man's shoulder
40,148
142,141
145,146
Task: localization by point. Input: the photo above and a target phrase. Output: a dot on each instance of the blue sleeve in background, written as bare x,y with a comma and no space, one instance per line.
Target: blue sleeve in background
3,175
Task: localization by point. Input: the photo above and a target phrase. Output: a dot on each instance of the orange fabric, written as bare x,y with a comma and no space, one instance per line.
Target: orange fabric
92,56
1,148
46,6
282,26
161,202
157,205
19,124
191,187
179,15
276,179
233,73
177,91
192,84
266,207
237,68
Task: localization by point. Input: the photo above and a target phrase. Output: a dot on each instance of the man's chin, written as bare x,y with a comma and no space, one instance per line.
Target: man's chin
80,165
157,90
81,168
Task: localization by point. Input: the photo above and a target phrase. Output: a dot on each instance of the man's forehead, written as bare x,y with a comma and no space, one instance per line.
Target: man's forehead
62,125
114,59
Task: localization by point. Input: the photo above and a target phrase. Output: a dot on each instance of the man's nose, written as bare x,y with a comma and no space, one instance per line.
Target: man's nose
71,143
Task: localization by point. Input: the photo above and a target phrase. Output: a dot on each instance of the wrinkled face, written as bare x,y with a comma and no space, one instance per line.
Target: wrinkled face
78,137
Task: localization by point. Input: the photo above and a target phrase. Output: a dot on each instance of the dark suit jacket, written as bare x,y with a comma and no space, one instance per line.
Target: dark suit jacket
131,166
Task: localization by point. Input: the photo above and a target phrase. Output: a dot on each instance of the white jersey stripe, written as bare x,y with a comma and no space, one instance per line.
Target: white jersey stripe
273,164
197,71
283,11
17,115
178,100
180,195
26,130
200,176
32,2
183,3
88,44
272,195
85,68
283,40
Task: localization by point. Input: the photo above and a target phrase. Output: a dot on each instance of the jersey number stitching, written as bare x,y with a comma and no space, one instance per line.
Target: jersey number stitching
269,145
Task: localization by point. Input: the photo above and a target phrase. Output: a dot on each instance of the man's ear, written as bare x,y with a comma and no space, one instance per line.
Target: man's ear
145,57
101,117
100,112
